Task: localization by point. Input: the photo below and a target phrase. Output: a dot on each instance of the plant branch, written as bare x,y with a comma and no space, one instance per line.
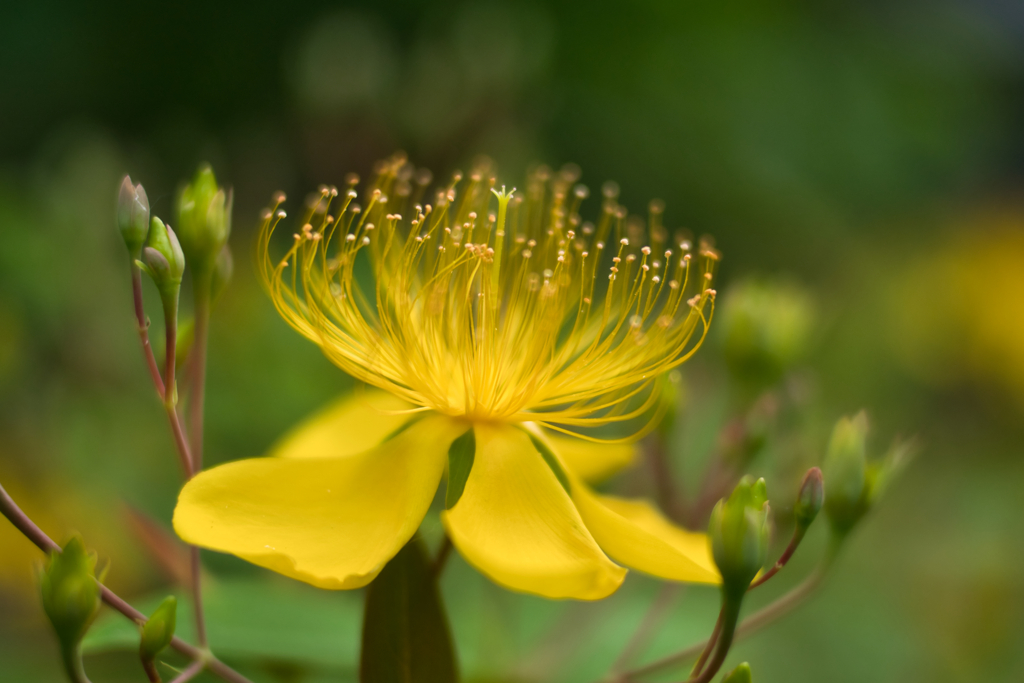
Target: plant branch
21,521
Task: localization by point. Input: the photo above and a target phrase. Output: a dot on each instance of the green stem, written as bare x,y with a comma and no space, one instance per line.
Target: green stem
72,658
201,291
728,619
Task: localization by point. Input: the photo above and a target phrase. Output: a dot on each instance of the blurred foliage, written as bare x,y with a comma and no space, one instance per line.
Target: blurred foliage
853,149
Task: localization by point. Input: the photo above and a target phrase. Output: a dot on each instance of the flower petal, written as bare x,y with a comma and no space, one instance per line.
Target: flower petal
592,462
516,524
634,533
352,424
331,522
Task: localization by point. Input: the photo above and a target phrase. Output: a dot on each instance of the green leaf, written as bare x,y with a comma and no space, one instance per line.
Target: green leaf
406,638
460,462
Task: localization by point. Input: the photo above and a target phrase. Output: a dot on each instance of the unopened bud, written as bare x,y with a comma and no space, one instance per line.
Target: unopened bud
158,631
204,219
809,500
133,216
163,259
846,473
764,328
739,535
71,596
741,674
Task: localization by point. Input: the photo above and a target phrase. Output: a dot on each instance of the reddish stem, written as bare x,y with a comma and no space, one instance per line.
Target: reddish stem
143,327
798,535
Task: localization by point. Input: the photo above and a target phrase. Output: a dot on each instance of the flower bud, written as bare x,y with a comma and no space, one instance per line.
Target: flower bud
764,328
158,631
809,500
204,219
741,674
133,216
846,472
739,535
163,259
71,596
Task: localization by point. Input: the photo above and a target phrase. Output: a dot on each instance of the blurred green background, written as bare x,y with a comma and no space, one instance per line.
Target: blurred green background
871,153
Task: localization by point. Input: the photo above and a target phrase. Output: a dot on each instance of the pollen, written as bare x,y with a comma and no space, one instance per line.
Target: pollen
514,324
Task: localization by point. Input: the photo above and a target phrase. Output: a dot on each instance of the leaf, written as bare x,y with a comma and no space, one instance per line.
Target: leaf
406,638
460,461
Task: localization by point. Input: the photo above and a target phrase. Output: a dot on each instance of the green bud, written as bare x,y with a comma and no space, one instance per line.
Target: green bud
739,535
204,219
809,500
846,472
223,269
163,259
158,631
741,674
71,596
133,216
764,328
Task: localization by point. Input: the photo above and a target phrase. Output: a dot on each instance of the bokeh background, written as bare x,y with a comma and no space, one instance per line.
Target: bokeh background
869,154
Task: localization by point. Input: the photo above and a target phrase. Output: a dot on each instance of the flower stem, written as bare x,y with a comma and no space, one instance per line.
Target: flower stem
72,659
201,287
201,293
726,629
143,327
22,522
798,535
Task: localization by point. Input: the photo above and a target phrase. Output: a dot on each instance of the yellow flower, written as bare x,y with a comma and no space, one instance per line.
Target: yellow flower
494,337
